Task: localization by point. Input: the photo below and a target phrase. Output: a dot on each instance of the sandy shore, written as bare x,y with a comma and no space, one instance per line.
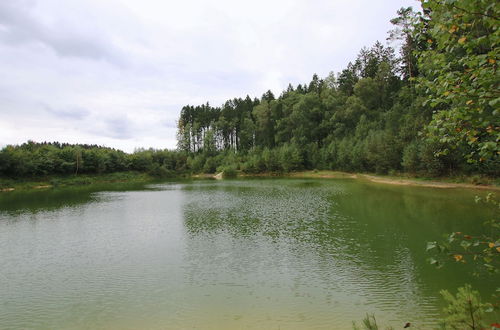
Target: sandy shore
432,184
391,180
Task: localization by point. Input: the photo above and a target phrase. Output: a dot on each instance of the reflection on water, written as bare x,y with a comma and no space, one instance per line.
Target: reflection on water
33,201
280,253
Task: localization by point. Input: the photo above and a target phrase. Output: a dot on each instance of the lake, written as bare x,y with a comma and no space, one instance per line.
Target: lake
231,254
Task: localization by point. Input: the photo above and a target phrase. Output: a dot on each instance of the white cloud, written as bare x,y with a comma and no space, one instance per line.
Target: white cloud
117,72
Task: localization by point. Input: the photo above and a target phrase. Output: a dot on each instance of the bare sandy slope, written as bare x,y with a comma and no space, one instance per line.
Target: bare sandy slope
392,180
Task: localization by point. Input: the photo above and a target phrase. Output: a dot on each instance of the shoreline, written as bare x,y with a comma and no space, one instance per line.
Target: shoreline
8,185
400,181
383,179
429,184
440,183
49,182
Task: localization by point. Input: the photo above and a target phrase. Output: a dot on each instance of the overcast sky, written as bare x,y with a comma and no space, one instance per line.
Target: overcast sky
117,72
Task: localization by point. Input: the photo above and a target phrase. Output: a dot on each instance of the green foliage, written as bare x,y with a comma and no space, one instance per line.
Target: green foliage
253,163
372,115
196,162
464,310
404,30
323,124
460,76
228,171
210,165
368,323
290,158
483,250
161,171
42,159
411,160
369,118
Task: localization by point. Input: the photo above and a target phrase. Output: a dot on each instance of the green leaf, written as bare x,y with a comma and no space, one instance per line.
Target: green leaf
465,244
433,261
431,245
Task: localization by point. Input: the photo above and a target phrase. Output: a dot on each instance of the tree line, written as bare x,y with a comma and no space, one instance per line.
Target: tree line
430,109
33,159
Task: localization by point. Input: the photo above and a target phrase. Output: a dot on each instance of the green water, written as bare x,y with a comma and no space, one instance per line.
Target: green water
242,254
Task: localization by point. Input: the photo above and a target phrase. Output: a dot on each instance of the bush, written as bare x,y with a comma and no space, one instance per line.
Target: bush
210,165
411,159
161,171
290,158
228,171
254,164
196,163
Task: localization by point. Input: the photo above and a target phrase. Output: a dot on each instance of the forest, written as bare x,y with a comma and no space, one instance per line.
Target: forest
428,109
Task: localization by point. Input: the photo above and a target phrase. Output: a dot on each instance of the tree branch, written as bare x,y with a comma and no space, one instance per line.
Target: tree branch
475,13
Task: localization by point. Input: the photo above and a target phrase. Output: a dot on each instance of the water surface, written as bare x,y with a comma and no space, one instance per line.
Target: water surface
234,254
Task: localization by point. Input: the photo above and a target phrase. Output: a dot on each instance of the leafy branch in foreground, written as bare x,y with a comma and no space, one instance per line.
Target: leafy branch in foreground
459,72
465,310
483,250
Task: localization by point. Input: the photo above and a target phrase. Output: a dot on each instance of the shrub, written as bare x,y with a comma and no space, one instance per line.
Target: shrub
465,310
228,171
